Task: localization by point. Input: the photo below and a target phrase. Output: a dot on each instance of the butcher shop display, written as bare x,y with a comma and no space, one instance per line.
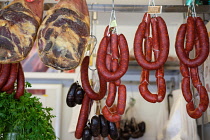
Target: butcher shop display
196,36
144,44
19,22
63,34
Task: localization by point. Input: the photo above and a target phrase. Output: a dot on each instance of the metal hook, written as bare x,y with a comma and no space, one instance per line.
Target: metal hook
91,48
112,22
191,9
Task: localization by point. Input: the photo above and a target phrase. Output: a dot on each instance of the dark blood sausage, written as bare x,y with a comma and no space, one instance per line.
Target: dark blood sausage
86,84
83,117
111,94
86,134
12,77
124,59
164,43
104,126
79,95
112,117
5,72
204,44
121,103
20,83
113,132
95,126
70,98
114,46
186,89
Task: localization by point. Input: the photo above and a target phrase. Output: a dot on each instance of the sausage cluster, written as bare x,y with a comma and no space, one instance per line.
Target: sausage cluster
196,36
75,95
99,126
144,45
132,129
112,63
9,74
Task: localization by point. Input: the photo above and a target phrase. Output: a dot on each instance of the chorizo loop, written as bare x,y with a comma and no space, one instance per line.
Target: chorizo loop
159,43
196,36
164,43
124,59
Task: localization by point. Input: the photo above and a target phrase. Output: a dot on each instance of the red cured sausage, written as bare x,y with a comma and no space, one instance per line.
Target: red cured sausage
190,34
111,94
147,19
204,98
143,87
83,117
124,59
204,44
11,90
106,32
155,36
164,43
184,70
114,67
148,49
12,77
5,71
203,105
108,61
121,103
186,89
20,82
192,111
86,84
195,77
114,46
161,88
112,117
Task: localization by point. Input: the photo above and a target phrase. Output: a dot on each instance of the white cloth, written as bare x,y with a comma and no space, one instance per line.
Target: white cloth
179,126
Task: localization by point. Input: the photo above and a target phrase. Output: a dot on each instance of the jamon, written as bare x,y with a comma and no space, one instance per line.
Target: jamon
63,35
19,23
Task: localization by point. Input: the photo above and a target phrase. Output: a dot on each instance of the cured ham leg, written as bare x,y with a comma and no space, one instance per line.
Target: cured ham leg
63,35
19,22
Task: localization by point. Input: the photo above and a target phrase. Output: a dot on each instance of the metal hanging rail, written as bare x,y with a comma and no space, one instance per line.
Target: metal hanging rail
135,8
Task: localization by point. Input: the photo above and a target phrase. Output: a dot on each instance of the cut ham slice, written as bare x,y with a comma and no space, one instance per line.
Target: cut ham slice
63,35
19,22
